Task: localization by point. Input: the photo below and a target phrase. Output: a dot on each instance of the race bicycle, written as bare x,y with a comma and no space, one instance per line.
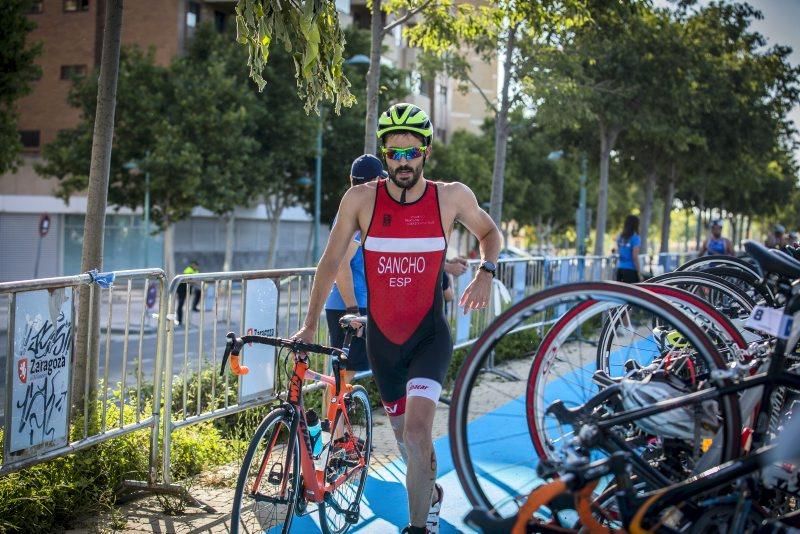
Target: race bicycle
280,475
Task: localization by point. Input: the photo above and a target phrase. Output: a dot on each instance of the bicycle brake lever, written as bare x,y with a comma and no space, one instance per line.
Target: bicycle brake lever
231,338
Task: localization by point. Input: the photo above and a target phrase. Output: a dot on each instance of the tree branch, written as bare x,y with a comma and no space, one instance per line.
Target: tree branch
480,92
410,13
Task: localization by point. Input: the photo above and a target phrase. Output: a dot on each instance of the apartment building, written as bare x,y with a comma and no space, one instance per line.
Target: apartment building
71,33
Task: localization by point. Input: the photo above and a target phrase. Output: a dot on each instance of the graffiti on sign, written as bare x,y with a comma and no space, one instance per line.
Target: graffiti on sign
42,354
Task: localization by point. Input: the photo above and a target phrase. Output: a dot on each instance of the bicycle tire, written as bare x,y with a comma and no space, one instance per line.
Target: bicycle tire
331,521
703,262
747,280
682,279
475,361
258,515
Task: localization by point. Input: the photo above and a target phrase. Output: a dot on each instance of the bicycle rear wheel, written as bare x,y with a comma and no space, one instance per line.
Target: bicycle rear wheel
494,457
347,463
269,479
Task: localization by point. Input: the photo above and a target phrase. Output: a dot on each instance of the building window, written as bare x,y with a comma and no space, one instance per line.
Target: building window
219,21
36,7
76,5
29,139
192,15
69,72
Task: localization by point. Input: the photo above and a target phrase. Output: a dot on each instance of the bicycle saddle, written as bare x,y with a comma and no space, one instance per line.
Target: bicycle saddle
773,261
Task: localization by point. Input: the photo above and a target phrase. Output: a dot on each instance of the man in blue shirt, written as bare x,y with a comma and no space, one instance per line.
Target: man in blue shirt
349,292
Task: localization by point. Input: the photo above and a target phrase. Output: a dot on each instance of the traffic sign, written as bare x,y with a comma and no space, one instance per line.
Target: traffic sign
44,224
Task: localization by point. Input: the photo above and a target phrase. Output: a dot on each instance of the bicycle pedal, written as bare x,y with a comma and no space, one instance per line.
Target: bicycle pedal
275,475
351,515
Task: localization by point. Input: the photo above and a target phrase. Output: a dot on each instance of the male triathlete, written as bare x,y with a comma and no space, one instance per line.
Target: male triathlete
716,244
405,221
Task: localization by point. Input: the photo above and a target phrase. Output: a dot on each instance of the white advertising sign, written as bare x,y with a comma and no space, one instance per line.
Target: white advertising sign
40,373
260,318
463,320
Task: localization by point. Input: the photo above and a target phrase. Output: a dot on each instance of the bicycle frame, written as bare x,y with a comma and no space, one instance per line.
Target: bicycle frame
315,486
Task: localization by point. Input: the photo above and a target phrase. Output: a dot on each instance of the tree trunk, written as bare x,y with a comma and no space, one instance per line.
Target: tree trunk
747,232
373,79
699,227
501,133
647,208
86,344
169,249
274,227
608,136
230,236
666,219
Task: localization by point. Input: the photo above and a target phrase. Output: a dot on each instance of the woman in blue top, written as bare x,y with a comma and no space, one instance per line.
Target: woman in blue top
628,244
349,292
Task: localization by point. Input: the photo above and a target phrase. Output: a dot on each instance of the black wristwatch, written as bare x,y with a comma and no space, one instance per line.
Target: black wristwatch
489,267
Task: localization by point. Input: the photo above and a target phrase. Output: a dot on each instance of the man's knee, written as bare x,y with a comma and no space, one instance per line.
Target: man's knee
417,436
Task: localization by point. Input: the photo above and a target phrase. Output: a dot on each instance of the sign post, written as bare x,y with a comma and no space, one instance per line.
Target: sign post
44,227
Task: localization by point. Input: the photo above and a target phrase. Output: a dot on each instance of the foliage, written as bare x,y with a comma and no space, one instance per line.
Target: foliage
192,157
342,141
310,33
19,71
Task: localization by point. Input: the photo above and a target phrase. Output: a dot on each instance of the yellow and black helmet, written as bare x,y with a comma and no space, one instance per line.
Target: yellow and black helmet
405,117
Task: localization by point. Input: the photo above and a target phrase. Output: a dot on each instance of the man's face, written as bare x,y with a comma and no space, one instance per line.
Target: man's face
716,230
405,173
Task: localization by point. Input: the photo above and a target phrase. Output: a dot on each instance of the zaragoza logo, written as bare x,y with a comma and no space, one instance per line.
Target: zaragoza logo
22,370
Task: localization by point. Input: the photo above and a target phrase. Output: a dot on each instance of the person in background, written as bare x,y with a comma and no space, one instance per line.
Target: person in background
716,244
183,289
349,292
628,245
776,239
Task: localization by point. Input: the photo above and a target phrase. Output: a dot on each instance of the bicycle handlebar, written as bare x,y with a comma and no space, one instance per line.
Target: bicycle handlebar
234,346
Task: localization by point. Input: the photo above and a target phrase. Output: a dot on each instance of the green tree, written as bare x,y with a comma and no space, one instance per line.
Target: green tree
192,134
19,71
509,29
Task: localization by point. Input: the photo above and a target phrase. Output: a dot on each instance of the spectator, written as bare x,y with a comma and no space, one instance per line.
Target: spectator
716,244
628,244
349,292
183,289
776,239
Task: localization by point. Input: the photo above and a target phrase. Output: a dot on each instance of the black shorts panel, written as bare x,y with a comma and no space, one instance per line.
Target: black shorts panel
629,276
357,359
426,355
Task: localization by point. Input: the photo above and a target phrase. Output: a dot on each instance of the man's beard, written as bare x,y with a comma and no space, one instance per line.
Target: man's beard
417,174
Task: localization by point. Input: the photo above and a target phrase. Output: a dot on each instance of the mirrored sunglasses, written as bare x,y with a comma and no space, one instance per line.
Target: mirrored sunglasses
409,153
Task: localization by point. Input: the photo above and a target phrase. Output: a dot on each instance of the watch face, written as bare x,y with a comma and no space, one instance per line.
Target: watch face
489,266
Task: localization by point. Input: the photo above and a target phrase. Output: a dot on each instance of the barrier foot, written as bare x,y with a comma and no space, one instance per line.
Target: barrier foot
133,489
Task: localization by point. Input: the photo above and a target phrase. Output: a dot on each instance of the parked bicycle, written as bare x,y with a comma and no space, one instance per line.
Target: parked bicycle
677,408
281,474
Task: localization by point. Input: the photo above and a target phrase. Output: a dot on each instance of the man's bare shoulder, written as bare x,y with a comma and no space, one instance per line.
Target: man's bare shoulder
455,190
357,195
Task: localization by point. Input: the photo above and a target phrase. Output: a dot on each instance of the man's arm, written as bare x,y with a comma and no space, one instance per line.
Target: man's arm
344,278
341,236
729,247
477,221
703,248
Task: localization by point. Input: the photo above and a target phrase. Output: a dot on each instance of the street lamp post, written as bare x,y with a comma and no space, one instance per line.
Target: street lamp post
317,188
133,168
358,59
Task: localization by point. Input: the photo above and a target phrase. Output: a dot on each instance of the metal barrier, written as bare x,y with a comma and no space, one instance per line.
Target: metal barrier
185,356
200,338
664,262
38,421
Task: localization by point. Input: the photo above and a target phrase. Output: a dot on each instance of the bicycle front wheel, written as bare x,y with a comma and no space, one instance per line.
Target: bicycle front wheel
269,479
348,463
